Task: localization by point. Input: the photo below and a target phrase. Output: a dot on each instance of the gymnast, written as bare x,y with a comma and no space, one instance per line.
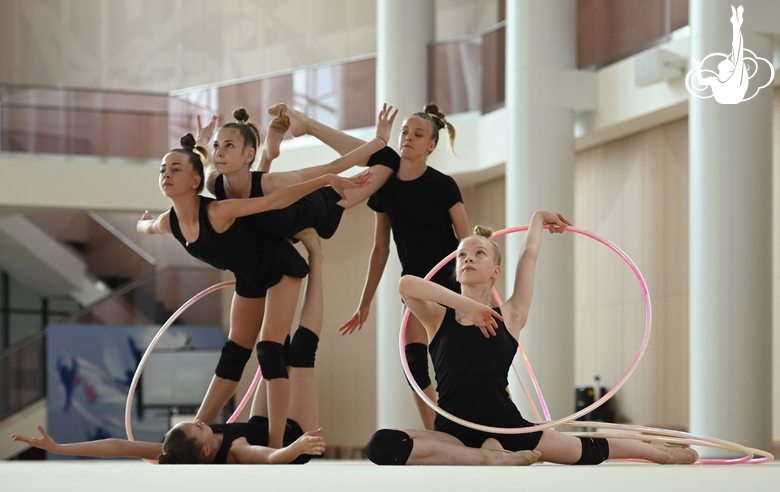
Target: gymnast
229,175
472,345
237,443
418,201
268,270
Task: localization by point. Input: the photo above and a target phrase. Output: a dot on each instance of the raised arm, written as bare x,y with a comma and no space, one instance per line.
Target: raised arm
376,266
274,181
309,443
104,448
425,299
517,306
203,139
150,225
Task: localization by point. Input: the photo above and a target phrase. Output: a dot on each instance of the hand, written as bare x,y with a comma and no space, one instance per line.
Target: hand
310,443
146,216
205,134
341,185
44,442
483,317
385,122
356,321
556,222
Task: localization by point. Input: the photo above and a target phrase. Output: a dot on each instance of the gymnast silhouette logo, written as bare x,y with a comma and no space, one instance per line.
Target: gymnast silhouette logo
729,85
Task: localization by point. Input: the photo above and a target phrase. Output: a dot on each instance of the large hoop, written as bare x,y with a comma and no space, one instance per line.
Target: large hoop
661,435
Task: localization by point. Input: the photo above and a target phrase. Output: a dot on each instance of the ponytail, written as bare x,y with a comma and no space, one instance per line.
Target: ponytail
438,122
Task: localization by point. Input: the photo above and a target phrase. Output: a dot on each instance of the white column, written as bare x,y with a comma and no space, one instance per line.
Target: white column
730,244
405,28
540,69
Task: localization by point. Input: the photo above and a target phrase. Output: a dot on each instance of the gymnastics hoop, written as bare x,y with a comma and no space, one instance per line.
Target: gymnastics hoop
660,435
548,424
139,370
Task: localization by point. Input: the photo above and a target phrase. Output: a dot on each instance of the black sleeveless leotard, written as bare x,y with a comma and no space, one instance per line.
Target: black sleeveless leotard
259,262
318,209
256,433
471,376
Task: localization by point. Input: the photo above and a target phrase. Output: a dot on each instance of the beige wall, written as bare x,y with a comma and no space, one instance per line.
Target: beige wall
164,45
634,192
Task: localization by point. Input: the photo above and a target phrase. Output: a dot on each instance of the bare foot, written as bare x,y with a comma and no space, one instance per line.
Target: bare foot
298,121
499,456
276,130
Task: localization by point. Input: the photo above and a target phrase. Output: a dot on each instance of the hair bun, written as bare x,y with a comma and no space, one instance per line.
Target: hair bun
438,117
166,459
188,142
484,231
241,115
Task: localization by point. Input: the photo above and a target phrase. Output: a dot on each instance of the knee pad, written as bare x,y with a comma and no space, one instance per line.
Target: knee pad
270,355
389,447
417,357
232,361
594,451
303,348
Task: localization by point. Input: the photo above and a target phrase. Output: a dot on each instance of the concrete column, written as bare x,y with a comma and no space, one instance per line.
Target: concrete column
730,243
540,66
405,28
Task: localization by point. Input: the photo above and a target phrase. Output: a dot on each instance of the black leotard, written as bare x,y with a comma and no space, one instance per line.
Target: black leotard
471,376
256,433
419,213
318,209
258,262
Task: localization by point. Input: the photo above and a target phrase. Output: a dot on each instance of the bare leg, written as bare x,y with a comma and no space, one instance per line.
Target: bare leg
273,137
280,310
303,387
415,333
245,317
562,448
438,448
301,124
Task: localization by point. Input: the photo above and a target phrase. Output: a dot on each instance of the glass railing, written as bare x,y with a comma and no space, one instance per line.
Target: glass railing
467,74
149,300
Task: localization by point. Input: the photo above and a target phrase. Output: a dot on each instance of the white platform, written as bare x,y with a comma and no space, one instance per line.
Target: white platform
348,476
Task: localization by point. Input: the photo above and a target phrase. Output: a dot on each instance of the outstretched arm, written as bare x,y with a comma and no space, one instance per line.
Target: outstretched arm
274,181
309,443
517,306
376,266
224,212
425,299
104,448
150,225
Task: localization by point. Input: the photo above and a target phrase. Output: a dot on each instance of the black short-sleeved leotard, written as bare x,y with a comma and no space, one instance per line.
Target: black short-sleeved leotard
259,262
256,434
471,377
318,209
419,213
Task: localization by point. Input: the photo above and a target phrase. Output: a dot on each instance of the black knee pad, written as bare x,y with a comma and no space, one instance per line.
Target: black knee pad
594,451
232,361
417,357
389,447
303,348
270,355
